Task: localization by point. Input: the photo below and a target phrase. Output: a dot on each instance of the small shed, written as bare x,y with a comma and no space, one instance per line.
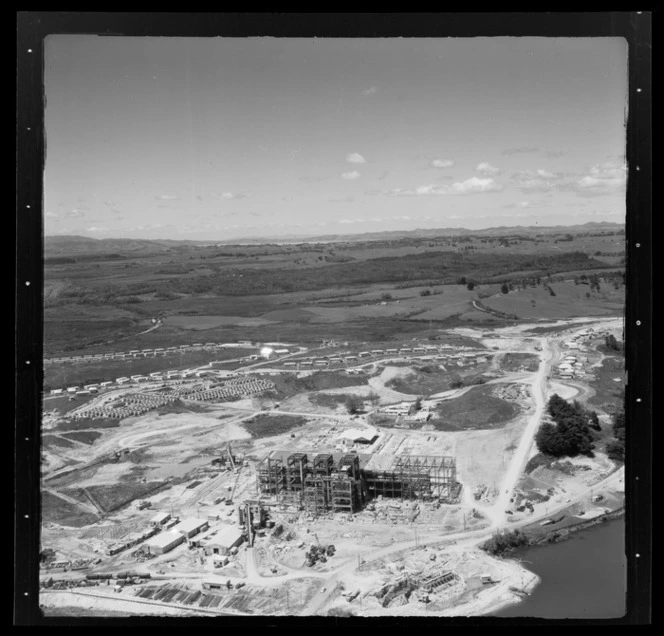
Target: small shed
160,519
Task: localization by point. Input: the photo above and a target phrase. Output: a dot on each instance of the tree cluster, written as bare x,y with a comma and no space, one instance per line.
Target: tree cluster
502,542
612,343
570,435
615,449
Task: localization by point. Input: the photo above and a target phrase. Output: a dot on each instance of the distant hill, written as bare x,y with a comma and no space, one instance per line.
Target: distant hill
73,245
421,233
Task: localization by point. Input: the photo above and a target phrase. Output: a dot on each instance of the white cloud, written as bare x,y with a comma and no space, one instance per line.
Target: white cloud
537,180
474,185
442,163
351,175
604,178
75,213
370,91
52,215
96,229
167,197
600,179
229,196
355,157
487,168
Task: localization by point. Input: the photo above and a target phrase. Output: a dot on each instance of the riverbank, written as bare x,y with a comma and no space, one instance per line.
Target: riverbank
554,534
581,577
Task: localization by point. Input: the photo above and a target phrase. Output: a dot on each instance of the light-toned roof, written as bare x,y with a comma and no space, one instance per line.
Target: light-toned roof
163,539
160,516
359,434
190,524
226,536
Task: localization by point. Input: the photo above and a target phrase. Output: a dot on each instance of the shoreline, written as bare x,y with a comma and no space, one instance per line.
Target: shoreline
561,534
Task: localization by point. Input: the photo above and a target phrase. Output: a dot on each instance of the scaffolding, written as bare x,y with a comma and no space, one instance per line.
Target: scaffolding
337,483
318,486
422,477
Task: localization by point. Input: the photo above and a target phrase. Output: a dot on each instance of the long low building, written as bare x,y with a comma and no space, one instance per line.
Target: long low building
164,542
191,527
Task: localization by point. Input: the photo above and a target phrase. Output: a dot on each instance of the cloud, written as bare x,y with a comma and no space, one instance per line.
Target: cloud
52,215
518,151
167,197
351,175
603,178
554,154
600,179
474,185
442,163
487,168
229,196
75,213
370,91
96,229
523,205
355,157
341,200
537,180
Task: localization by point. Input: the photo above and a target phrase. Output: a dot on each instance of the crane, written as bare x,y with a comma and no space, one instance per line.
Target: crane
230,455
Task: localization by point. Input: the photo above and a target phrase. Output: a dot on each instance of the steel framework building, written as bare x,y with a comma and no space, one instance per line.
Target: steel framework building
415,477
337,483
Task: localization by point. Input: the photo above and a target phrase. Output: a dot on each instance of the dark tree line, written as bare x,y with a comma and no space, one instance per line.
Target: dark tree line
615,449
571,434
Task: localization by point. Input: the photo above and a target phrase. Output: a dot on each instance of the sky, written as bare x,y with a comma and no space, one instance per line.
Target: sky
224,138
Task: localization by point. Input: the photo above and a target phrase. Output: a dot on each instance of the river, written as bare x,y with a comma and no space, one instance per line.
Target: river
581,577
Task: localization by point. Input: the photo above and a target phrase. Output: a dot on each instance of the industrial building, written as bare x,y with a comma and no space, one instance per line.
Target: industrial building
221,541
359,436
340,482
164,542
191,527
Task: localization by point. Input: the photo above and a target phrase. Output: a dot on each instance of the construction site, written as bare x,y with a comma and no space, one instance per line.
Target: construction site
338,482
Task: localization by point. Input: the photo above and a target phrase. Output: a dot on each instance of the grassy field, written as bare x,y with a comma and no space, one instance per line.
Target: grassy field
475,410
570,301
79,373
86,423
431,379
114,496
270,425
57,510
53,441
332,400
98,300
519,361
288,385
87,437
608,392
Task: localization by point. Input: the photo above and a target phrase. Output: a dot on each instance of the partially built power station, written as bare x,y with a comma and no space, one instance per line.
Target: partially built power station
337,482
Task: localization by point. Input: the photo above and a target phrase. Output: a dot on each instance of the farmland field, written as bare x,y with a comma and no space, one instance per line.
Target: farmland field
475,410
